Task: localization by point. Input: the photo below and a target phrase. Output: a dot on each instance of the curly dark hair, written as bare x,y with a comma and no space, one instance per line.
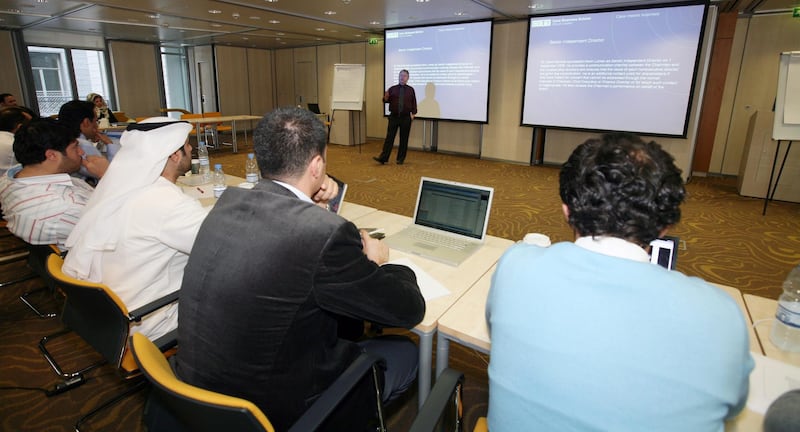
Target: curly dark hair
286,139
620,186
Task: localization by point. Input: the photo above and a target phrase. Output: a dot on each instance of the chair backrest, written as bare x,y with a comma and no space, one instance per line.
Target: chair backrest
92,311
195,408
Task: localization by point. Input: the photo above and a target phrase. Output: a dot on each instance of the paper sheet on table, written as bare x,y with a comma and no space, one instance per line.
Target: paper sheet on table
428,286
770,379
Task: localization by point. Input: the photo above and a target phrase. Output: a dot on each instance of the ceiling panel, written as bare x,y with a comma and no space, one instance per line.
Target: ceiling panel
288,23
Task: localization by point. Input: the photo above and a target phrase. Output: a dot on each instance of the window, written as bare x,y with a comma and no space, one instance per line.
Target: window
61,75
176,79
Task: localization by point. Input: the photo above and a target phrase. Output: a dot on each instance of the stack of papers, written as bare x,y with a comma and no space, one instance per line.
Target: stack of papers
770,379
428,286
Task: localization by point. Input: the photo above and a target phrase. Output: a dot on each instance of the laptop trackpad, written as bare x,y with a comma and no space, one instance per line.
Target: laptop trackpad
425,246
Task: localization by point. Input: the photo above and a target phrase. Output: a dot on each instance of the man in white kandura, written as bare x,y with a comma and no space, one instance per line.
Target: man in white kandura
139,227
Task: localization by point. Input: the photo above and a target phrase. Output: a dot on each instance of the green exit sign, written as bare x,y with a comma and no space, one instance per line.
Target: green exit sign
796,12
374,40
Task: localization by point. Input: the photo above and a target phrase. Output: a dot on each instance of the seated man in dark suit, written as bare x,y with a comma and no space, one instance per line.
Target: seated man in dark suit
270,275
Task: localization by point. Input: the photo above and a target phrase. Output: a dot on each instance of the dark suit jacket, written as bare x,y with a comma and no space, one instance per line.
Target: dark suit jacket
266,275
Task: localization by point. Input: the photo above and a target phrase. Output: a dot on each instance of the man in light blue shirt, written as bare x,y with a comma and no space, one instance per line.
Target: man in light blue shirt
589,335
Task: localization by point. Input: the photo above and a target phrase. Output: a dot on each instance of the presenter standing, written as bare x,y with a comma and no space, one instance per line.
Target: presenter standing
402,108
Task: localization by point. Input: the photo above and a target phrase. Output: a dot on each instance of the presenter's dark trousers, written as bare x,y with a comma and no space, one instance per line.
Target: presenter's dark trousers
403,122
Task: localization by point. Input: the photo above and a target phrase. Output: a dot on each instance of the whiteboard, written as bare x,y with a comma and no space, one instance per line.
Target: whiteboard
786,125
348,86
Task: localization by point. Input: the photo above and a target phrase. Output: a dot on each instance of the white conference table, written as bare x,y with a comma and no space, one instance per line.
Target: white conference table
224,119
762,310
456,279
465,324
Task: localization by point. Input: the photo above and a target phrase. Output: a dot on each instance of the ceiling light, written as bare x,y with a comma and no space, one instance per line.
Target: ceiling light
334,31
534,6
347,2
214,11
330,12
423,1
154,16
274,21
460,13
216,25
271,1
15,11
255,17
281,34
319,29
245,38
374,22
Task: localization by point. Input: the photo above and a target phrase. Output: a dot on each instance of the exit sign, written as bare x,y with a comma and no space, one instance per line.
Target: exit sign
374,40
796,12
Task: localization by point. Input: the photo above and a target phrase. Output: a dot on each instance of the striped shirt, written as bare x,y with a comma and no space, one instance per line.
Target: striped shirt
42,209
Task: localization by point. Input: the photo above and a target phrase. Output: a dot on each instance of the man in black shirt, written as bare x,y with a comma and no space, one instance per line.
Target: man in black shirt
402,108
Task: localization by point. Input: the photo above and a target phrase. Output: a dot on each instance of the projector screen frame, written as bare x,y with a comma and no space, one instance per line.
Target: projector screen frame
692,87
411,72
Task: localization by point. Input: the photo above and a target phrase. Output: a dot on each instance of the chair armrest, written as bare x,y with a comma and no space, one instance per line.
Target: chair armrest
137,314
322,408
437,401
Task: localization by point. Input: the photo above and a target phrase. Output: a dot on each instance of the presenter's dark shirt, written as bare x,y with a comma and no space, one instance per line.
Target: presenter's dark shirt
267,275
409,100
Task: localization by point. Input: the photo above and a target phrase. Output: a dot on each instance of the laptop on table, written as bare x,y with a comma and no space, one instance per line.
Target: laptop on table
450,220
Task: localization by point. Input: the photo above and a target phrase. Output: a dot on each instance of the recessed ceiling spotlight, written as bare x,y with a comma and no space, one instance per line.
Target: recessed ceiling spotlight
460,13
357,35
154,16
255,17
132,20
347,2
274,21
374,22
271,1
283,43
423,1
318,38
216,25
329,12
333,31
319,29
15,11
281,34
534,6
245,38
214,11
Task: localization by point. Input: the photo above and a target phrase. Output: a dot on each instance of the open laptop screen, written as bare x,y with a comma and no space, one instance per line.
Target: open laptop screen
455,208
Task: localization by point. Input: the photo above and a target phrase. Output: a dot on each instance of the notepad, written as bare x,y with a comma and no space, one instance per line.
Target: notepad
428,285
770,379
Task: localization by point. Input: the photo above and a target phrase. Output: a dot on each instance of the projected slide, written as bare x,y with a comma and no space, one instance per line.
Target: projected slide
448,67
626,70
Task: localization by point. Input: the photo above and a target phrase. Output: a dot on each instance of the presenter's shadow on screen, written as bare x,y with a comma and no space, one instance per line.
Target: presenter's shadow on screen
428,107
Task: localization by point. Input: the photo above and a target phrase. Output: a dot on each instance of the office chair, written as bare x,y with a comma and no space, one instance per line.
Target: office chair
195,409
36,255
204,127
101,319
216,128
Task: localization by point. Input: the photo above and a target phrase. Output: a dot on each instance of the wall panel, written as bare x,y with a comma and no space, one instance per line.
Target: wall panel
136,77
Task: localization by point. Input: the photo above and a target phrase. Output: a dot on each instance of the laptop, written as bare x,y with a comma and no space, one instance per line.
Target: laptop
314,108
450,220
335,204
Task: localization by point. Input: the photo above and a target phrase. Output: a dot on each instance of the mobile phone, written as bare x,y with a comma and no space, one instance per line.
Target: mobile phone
664,252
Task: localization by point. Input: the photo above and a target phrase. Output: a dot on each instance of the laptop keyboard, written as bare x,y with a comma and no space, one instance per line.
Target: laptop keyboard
438,239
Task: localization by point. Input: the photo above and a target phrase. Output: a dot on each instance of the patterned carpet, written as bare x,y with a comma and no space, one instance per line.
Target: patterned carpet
725,237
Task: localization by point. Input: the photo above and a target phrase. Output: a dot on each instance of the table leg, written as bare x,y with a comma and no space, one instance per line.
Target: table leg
233,126
442,353
425,360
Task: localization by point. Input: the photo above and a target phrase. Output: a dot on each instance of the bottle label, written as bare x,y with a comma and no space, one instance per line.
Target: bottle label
787,316
218,190
204,161
252,177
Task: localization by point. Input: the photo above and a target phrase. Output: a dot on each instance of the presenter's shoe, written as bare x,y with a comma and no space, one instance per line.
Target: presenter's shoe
400,162
379,160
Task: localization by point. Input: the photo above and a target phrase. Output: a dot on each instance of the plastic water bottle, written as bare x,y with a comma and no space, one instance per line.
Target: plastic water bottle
786,328
219,181
205,164
251,169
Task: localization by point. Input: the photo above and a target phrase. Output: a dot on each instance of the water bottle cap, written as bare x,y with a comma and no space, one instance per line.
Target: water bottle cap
217,166
251,155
